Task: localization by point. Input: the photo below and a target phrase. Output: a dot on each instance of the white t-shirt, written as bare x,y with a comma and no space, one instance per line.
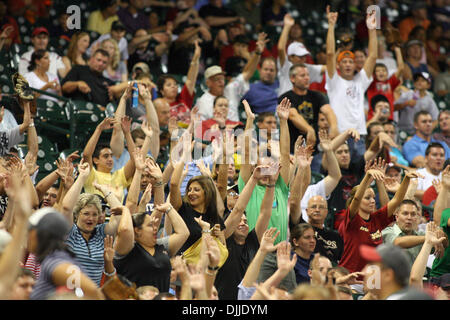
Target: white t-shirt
234,91
56,62
283,75
205,105
347,100
317,189
35,82
425,183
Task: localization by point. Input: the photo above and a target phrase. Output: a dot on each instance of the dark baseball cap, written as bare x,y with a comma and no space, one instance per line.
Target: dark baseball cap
392,257
117,25
424,75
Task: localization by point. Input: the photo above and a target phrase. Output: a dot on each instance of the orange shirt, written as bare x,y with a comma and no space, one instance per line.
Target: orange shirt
407,24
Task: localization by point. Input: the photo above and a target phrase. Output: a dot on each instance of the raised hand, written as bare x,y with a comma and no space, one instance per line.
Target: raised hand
431,234
284,261
325,141
248,110
109,251
154,169
84,169
391,184
212,251
147,129
371,20
268,239
139,159
30,163
437,185
446,178
288,21
202,167
126,124
275,169
197,51
353,133
283,109
106,124
331,16
376,174
203,224
144,91
261,42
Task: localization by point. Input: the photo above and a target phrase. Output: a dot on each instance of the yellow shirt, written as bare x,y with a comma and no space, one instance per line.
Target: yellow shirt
98,24
116,180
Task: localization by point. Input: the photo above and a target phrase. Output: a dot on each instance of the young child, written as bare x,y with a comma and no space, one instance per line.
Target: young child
412,101
384,85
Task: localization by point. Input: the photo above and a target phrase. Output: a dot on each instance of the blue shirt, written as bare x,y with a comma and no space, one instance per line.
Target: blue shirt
263,97
417,146
89,254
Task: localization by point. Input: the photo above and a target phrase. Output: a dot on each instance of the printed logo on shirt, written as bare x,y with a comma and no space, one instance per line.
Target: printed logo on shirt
306,110
327,244
376,235
352,91
362,228
383,87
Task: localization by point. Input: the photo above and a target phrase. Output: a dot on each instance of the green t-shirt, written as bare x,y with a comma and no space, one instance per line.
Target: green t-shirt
279,217
442,265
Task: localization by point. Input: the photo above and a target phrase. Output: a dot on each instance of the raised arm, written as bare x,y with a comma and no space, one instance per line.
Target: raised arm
191,78
442,200
135,187
331,43
371,60
246,140
420,264
72,195
117,137
129,167
400,63
152,123
124,241
334,171
283,114
252,64
365,183
181,231
288,23
89,149
401,192
175,181
301,181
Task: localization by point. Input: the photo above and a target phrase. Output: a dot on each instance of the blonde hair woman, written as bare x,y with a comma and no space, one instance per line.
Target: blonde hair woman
76,52
116,69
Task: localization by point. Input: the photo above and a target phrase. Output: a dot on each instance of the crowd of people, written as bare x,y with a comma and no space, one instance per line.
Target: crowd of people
285,179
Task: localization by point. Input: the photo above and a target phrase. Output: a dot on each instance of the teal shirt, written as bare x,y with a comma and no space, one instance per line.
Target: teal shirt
442,265
279,217
391,233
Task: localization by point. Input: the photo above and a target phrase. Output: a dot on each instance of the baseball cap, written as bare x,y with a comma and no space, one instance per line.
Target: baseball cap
141,65
213,71
377,98
413,42
39,30
394,167
297,49
5,239
234,187
117,25
424,75
48,220
391,256
345,54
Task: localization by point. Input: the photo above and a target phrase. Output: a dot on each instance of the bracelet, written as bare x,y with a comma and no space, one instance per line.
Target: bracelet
31,125
213,268
168,210
110,274
206,231
158,184
210,273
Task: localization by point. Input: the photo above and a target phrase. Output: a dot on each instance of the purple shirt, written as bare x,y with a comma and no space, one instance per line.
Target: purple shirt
133,23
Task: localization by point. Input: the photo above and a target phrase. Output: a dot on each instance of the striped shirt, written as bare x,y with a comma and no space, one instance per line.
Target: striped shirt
44,286
89,253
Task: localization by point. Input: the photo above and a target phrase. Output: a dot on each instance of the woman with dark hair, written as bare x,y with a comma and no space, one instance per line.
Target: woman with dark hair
48,230
303,242
40,78
180,103
363,223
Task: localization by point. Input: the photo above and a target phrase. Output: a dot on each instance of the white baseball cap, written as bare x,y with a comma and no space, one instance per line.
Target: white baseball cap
297,49
213,71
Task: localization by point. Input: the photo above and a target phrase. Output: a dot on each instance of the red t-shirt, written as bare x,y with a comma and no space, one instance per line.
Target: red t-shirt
210,129
181,107
357,231
319,86
385,88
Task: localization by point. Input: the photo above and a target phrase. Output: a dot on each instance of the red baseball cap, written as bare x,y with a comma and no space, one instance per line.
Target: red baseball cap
39,30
